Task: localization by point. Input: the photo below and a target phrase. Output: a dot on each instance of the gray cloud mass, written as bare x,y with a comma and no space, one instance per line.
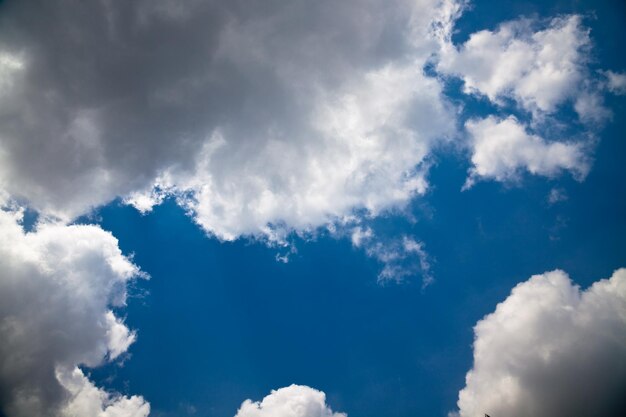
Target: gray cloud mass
295,114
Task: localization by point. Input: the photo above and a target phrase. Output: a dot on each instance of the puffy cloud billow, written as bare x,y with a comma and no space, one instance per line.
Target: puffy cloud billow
291,401
261,119
551,350
503,149
58,285
538,65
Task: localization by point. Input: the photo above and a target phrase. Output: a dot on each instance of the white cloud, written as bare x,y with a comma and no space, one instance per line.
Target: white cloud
590,108
57,287
502,149
539,69
291,401
367,149
360,235
551,349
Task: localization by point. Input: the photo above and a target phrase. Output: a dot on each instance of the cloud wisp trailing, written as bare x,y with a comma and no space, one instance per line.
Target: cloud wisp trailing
400,257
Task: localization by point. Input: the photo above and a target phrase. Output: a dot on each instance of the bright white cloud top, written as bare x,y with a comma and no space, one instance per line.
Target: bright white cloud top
291,401
550,349
616,82
57,287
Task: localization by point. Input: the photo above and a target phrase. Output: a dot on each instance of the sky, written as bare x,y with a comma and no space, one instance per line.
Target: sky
312,209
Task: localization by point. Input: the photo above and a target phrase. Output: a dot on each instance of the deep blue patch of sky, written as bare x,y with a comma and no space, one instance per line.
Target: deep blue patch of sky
222,322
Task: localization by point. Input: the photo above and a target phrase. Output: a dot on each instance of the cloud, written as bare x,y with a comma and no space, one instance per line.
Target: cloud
551,349
291,401
365,156
538,69
260,119
400,257
88,400
557,195
502,149
616,82
270,119
58,285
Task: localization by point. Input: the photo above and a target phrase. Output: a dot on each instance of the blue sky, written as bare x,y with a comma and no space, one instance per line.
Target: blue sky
221,319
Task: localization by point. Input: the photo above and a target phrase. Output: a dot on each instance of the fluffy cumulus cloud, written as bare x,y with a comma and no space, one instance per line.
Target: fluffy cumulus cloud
57,287
502,148
551,349
260,118
88,400
538,68
291,401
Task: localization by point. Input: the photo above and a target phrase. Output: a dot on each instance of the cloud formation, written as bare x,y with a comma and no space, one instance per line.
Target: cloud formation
536,68
616,82
261,119
291,401
88,400
503,149
540,66
57,287
400,257
551,349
